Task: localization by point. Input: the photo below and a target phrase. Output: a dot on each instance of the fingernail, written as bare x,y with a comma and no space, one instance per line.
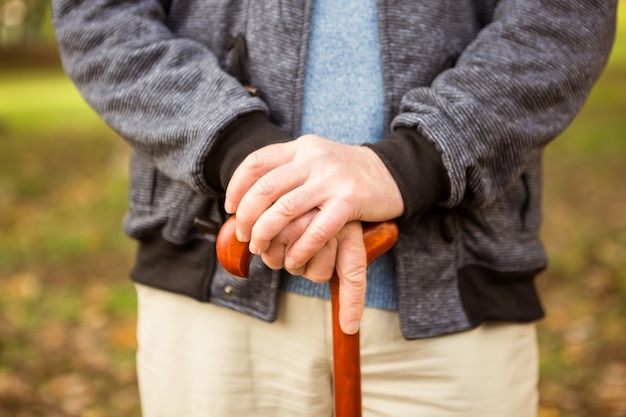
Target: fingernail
352,327
228,207
253,249
290,263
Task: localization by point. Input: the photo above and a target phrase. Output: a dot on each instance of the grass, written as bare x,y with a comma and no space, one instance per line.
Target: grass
583,364
67,309
43,99
62,172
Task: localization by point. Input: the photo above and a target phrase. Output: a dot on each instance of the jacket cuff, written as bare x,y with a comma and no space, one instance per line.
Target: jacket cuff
418,169
240,138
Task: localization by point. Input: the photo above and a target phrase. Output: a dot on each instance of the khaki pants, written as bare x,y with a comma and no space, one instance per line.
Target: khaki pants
198,359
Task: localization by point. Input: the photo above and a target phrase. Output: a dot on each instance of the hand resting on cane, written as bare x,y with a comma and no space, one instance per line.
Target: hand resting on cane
321,188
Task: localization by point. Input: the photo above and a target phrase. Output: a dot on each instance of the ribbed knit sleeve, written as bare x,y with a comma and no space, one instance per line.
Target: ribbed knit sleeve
512,90
417,168
167,95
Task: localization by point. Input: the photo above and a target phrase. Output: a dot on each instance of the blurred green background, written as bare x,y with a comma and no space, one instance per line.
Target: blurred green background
67,308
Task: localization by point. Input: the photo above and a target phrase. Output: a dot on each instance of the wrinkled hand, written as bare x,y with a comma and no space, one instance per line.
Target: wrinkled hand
319,187
279,183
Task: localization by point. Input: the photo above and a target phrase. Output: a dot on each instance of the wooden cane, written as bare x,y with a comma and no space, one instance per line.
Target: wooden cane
378,238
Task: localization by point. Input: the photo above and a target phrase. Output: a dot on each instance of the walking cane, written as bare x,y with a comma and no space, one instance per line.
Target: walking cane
378,238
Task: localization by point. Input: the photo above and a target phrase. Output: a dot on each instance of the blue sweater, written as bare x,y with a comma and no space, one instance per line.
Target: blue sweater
344,101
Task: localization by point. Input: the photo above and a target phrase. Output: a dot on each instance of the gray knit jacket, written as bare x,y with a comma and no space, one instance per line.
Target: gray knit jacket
474,91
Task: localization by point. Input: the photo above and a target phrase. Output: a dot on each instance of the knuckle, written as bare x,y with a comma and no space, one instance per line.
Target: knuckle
315,145
286,206
266,185
355,277
318,235
348,197
253,161
323,153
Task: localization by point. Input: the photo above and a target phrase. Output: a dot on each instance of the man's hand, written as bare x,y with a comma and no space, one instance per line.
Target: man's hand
279,183
300,204
345,254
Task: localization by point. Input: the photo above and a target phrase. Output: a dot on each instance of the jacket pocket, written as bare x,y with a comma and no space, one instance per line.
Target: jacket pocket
183,269
505,234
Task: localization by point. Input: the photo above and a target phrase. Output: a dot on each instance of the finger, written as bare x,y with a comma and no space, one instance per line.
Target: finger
253,167
352,273
324,227
271,222
274,201
274,255
322,265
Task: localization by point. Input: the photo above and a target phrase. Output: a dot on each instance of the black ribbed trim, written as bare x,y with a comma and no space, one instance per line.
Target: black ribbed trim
418,170
243,136
502,296
182,269
485,294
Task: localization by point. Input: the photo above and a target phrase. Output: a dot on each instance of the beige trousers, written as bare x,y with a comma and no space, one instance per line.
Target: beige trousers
197,359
